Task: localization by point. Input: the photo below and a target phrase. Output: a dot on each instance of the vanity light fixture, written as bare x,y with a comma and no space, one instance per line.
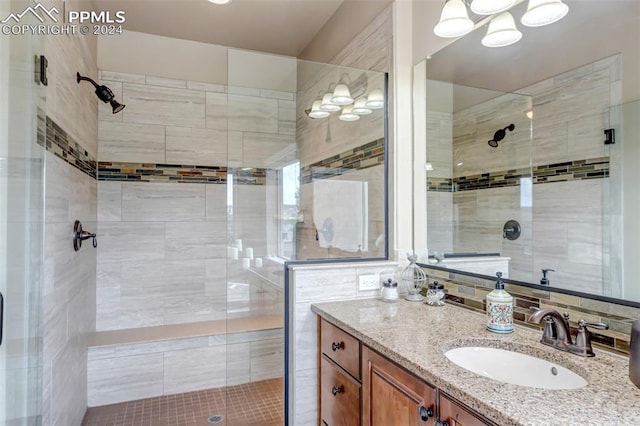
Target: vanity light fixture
327,105
341,95
348,114
502,31
491,7
360,107
316,112
375,100
544,12
454,20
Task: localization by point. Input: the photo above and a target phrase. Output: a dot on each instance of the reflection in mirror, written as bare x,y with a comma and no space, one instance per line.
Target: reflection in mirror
561,87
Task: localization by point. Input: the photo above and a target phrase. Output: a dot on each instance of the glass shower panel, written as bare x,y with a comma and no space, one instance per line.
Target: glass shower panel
479,180
22,119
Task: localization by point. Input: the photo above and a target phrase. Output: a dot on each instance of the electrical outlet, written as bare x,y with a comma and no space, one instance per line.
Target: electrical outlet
368,282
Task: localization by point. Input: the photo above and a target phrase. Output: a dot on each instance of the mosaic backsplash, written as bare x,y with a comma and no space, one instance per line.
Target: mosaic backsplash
368,155
54,139
470,292
152,172
593,168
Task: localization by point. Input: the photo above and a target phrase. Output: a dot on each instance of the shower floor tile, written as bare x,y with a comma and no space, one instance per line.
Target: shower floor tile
257,403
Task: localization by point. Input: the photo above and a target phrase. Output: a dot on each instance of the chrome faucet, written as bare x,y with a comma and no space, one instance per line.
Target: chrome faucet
557,332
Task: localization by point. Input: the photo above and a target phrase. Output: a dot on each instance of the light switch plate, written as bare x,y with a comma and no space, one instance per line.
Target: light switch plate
368,282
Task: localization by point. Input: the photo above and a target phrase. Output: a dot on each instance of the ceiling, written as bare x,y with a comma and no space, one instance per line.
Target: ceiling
591,31
282,27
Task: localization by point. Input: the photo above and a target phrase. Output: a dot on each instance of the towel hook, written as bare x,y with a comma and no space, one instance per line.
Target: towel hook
79,235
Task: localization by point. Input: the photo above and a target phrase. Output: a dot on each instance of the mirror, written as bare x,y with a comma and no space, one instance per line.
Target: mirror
519,176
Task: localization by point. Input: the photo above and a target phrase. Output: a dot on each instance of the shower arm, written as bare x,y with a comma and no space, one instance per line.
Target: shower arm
80,78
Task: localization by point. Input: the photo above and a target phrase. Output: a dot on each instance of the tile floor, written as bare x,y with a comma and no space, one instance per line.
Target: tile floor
257,403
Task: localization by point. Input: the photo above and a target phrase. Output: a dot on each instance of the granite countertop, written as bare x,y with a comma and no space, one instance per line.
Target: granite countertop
416,335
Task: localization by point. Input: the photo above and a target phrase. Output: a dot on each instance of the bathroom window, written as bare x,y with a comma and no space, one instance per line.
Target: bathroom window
289,209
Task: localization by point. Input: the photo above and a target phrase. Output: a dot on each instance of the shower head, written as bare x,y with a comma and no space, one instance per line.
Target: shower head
500,134
103,93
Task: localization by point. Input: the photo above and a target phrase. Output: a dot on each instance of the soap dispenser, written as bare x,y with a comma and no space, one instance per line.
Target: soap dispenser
499,309
545,280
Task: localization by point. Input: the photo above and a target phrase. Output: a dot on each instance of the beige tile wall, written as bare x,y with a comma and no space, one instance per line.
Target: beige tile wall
563,230
70,277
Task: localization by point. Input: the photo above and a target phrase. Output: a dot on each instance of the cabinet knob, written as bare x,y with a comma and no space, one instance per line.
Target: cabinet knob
441,423
336,390
337,346
425,413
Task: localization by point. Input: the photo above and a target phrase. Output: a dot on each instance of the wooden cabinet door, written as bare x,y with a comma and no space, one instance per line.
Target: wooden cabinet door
391,396
339,396
455,415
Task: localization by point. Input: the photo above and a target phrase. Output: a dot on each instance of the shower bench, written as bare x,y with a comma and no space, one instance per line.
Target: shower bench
131,364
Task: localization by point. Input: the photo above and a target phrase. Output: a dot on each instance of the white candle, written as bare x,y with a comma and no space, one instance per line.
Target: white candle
239,244
258,262
249,253
246,262
233,253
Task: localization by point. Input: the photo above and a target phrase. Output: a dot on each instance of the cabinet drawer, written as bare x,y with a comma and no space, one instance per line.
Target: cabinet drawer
339,396
455,415
341,347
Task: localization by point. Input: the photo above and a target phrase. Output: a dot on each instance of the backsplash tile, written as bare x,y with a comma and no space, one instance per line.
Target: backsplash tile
592,168
368,155
54,139
470,292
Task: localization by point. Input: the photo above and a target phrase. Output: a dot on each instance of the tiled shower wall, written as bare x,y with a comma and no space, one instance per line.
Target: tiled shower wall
162,259
70,194
559,203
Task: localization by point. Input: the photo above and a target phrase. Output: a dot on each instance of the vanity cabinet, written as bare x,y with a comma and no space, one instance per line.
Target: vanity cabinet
358,386
392,396
340,386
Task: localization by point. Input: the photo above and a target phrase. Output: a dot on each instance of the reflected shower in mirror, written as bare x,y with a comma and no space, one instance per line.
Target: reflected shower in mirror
565,85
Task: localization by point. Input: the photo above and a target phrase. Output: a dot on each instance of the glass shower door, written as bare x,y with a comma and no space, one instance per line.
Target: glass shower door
21,225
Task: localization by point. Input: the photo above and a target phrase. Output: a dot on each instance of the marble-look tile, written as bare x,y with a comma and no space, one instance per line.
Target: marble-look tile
216,110
108,274
205,147
153,202
277,94
122,77
108,308
166,82
585,243
109,201
183,240
313,286
216,203
206,87
131,240
267,359
160,105
138,377
265,149
252,114
287,117
184,370
130,142
238,365
568,201
305,403
244,91
156,347
57,193
305,342
249,202
235,147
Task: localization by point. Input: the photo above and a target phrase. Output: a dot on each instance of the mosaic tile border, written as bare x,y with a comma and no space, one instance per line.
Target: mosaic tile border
593,168
54,139
156,172
470,291
368,155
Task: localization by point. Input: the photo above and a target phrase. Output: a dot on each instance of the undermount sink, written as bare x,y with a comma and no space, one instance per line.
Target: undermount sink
515,368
